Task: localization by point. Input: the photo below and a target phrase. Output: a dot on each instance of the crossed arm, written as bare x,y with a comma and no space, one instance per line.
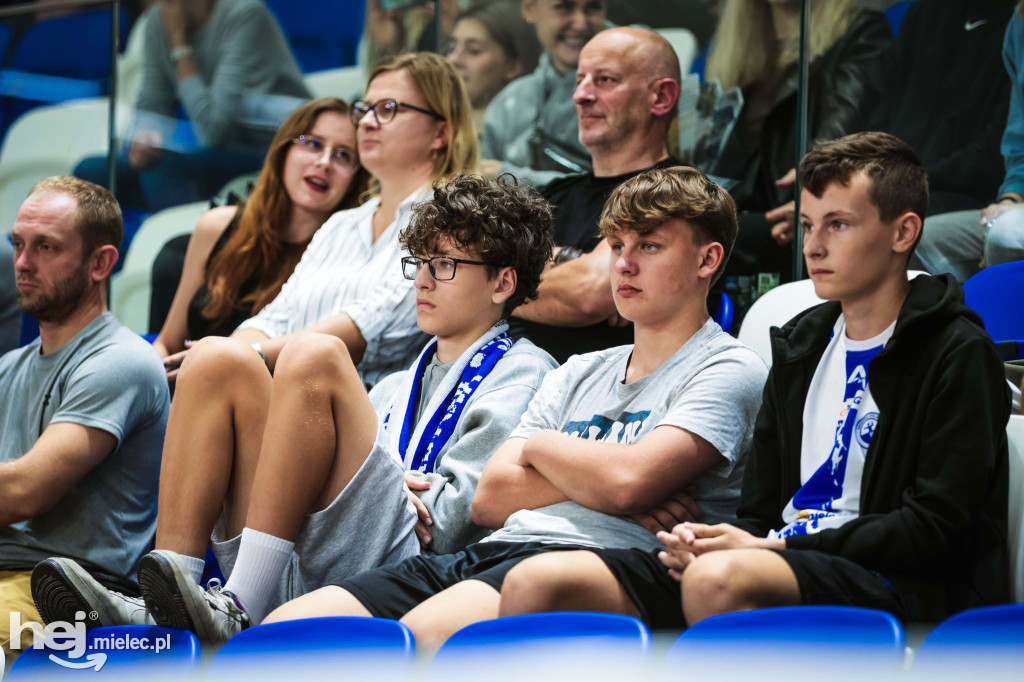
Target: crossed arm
551,467
65,452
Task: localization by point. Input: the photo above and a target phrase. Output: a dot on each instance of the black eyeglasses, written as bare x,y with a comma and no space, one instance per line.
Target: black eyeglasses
384,110
442,268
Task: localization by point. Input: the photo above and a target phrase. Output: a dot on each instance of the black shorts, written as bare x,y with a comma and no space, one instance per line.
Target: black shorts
647,583
829,580
823,579
393,590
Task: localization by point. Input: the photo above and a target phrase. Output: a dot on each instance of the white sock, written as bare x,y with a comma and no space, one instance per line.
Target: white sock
196,566
261,562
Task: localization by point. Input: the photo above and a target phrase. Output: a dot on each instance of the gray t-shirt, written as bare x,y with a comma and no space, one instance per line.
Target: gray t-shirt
105,378
710,387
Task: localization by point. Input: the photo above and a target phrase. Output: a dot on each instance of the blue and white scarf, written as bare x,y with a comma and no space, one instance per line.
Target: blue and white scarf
437,427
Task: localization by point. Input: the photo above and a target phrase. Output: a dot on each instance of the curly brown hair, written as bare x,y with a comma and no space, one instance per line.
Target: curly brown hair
501,221
654,197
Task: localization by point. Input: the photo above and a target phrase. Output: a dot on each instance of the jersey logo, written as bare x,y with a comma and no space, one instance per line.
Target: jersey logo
865,428
971,25
622,429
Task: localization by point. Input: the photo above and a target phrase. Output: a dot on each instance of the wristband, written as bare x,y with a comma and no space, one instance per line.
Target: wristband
181,52
567,253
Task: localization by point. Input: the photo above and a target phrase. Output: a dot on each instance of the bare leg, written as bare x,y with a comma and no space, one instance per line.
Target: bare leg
321,429
737,580
438,618
564,581
212,443
327,601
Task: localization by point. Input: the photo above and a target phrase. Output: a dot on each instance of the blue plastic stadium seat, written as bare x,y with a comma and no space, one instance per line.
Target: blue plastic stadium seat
984,643
317,648
567,645
808,638
895,13
995,293
113,653
323,34
724,313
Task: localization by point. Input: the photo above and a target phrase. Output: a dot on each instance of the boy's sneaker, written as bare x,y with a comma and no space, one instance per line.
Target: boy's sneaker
176,601
61,589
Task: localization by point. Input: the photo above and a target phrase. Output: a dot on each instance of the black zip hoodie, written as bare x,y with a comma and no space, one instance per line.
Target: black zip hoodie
935,484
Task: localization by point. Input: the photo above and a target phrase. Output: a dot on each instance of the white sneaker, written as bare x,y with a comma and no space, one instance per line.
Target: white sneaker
176,601
62,589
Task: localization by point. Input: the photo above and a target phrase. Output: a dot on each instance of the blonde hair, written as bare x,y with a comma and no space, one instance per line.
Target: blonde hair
654,197
445,94
744,51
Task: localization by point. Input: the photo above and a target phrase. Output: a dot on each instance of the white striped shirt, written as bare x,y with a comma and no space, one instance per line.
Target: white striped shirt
344,271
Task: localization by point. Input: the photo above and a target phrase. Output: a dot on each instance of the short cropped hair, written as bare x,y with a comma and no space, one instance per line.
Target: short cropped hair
99,215
898,179
503,222
652,198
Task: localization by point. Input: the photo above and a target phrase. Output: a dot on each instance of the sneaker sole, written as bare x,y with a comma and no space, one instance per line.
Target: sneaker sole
59,595
169,600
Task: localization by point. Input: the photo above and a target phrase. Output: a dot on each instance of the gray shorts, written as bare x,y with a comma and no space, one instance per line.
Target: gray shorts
370,523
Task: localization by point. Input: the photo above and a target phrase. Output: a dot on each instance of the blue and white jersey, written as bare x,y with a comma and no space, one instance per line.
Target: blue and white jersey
839,420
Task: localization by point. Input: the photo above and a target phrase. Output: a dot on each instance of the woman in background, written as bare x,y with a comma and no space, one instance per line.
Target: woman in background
238,257
491,46
756,48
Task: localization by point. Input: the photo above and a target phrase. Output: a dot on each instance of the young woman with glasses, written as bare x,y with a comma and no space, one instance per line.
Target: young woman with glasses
413,129
239,256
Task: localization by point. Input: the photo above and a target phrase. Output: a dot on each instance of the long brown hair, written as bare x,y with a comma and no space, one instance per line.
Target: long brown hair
256,247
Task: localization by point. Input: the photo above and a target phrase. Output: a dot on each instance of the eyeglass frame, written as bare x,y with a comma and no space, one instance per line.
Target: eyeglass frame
309,137
429,262
360,108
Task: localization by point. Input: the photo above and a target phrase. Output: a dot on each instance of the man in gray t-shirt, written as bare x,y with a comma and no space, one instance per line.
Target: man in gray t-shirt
82,408
608,436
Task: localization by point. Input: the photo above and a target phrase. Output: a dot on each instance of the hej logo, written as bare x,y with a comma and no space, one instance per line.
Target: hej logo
71,637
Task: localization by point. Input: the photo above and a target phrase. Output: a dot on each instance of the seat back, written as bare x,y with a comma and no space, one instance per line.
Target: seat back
87,34
567,645
779,641
323,34
317,648
773,309
995,293
130,288
1015,511
777,307
49,140
985,643
895,13
724,313
684,43
348,83
121,652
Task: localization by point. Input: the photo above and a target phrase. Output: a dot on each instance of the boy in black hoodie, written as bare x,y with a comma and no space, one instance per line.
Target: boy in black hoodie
878,474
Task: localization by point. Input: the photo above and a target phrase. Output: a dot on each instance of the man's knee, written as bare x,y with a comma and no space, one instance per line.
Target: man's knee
540,583
735,580
560,581
312,357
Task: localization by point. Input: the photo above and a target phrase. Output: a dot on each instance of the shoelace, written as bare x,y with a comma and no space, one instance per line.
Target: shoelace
222,600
